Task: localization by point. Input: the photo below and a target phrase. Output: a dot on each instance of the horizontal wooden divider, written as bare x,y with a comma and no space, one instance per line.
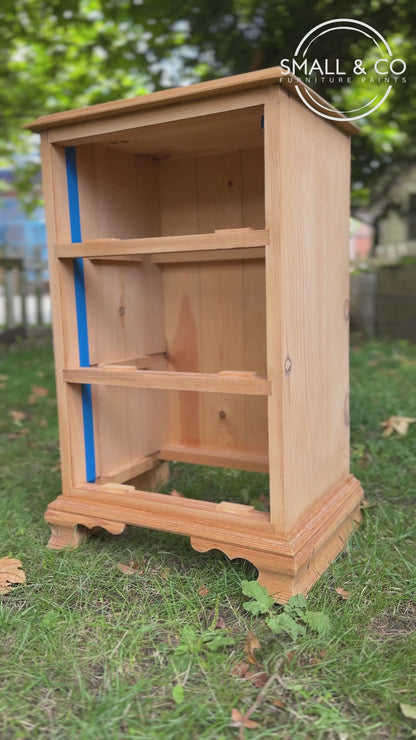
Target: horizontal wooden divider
219,240
218,458
244,383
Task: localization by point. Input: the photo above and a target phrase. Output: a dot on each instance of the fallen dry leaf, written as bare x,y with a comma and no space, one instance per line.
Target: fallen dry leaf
3,378
241,670
399,424
220,624
42,423
10,574
203,591
251,644
176,493
17,416
278,703
342,592
165,574
259,679
240,720
129,569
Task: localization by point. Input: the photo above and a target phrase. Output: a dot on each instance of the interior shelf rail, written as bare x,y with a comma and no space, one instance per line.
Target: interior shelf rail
220,239
244,383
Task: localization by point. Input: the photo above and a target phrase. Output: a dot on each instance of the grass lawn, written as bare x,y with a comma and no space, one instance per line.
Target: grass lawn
87,651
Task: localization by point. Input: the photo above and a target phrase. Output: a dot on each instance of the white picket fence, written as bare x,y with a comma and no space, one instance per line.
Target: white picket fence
24,294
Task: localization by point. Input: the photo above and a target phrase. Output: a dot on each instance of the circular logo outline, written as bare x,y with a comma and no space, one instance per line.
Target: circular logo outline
328,26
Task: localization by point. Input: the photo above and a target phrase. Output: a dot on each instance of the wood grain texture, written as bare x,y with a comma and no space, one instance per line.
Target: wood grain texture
231,239
287,564
215,255
217,458
64,325
112,132
307,268
216,276
254,299
214,194
196,92
119,197
127,472
208,382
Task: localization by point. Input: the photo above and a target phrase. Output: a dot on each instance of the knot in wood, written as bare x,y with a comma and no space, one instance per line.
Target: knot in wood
288,365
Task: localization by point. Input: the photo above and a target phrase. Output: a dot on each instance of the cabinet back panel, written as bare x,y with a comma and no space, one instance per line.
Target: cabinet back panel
118,193
214,321
215,312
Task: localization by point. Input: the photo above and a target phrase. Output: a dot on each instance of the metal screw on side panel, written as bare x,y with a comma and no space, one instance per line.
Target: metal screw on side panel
222,414
121,311
288,365
166,355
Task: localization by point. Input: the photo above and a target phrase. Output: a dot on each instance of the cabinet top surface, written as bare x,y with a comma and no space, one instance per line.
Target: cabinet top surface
195,92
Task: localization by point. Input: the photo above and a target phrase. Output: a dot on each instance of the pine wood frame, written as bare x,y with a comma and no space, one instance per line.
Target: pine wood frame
289,246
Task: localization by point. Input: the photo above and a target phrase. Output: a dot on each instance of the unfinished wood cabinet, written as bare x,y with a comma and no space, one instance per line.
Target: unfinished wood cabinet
198,245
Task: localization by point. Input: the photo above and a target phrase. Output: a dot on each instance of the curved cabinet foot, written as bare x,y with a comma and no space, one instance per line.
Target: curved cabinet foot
289,571
278,577
67,536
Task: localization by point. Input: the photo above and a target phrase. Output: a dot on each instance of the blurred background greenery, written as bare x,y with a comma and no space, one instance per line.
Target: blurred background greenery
60,54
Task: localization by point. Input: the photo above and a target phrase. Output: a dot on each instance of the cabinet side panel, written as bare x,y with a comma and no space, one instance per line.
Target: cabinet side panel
314,162
119,197
64,326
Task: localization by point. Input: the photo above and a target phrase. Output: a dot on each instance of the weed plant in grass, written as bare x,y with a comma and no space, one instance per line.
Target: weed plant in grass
90,652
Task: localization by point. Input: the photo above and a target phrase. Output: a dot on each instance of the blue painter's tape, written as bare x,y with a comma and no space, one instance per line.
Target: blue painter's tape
81,310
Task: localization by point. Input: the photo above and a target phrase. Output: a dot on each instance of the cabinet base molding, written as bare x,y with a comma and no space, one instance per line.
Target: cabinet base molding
288,563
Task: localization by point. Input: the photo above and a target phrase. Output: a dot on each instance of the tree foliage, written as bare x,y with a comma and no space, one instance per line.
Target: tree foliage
58,54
